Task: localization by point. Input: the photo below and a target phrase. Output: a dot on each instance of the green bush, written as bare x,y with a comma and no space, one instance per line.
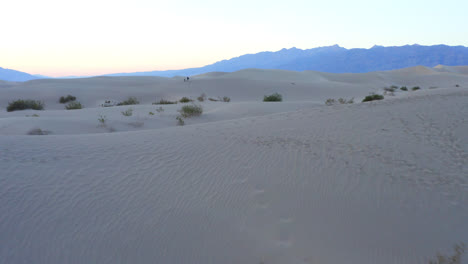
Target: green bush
226,99
25,104
190,110
67,99
73,106
373,97
130,101
213,100
415,88
163,102
185,100
404,88
276,97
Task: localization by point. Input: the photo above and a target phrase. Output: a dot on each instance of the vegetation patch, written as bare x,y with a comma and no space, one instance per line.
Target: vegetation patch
164,102
25,104
213,100
415,88
130,101
102,120
202,97
128,112
180,121
73,106
276,97
66,99
190,111
38,131
226,99
455,258
373,97
331,101
185,100
160,109
404,88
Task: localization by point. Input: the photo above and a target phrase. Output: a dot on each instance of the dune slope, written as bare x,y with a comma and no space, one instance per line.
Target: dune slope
382,182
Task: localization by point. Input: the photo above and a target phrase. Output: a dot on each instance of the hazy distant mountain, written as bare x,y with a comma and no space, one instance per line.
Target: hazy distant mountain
333,59
15,76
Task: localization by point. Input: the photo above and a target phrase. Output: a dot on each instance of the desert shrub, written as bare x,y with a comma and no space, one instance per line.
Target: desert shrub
202,97
213,100
38,131
150,113
415,88
457,85
73,106
390,89
185,100
330,101
130,101
180,121
163,102
226,99
456,258
344,101
67,99
25,104
190,110
404,88
102,120
276,97
159,109
128,112
373,97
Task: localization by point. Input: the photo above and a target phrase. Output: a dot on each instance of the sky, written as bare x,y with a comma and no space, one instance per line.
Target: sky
92,37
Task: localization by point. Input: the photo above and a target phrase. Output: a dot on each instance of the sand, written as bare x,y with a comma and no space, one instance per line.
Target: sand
246,182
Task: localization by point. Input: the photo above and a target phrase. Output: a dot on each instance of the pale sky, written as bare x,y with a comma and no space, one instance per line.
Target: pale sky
91,37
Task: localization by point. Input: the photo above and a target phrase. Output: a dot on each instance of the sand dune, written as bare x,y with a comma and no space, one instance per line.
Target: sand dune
247,181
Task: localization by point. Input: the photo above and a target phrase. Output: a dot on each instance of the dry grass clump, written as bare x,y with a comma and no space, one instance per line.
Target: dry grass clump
180,121
128,112
73,106
331,101
38,131
202,97
456,258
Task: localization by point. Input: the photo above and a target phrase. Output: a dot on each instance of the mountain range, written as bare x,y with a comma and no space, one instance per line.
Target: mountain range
333,59
16,76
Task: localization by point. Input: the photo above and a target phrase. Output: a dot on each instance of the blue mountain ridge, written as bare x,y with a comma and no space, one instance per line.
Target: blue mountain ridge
333,59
